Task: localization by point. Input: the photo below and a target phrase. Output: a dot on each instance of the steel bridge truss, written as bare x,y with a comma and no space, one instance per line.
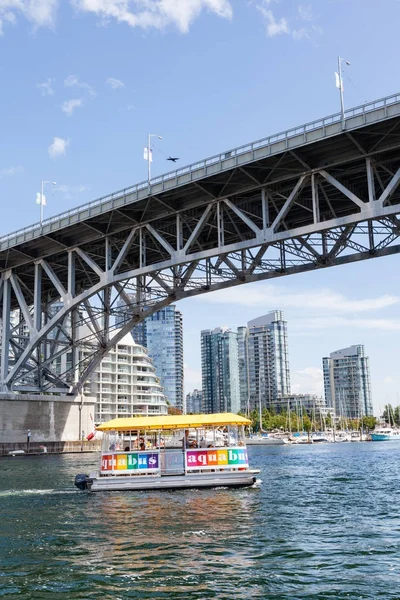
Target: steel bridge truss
96,293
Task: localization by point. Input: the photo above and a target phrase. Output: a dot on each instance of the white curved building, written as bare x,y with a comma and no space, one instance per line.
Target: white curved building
125,384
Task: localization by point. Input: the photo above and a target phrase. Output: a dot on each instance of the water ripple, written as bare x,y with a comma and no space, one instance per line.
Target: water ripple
324,523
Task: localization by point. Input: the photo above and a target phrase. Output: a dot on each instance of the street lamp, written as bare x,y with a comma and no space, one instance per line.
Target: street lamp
148,154
41,199
339,84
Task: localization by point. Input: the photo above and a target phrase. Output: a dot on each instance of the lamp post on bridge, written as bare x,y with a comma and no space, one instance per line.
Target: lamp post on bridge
41,198
339,84
148,154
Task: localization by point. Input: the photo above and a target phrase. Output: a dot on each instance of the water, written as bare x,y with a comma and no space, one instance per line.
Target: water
324,523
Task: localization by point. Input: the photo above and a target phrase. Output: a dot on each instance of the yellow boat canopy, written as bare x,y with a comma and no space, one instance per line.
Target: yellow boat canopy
173,422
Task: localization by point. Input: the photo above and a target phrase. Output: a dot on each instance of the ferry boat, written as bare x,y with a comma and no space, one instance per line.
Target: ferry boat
385,434
167,452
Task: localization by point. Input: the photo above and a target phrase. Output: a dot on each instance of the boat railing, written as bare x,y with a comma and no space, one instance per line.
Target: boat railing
159,460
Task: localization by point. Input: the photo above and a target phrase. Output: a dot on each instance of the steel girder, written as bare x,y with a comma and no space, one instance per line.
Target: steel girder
71,310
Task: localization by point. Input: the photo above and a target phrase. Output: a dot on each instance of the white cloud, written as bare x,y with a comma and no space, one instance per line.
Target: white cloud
73,81
41,13
115,83
69,106
307,381
71,192
46,87
391,325
305,12
274,26
158,13
58,147
10,171
273,296
300,34
71,189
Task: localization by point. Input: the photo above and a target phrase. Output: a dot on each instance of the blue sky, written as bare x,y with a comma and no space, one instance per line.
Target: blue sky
84,81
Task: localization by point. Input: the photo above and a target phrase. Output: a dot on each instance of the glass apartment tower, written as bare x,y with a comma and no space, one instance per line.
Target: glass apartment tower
220,370
264,361
347,382
162,335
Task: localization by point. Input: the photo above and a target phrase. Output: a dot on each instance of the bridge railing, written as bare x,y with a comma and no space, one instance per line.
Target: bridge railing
217,158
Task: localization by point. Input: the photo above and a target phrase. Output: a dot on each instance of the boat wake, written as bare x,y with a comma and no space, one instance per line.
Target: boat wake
34,492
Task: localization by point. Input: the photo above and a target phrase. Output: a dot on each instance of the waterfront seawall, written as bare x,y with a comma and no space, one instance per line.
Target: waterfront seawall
51,447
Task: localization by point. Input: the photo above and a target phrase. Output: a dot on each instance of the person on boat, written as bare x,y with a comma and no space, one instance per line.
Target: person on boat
127,448
185,440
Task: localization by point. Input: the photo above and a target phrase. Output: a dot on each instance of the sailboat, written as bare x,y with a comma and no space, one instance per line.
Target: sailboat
263,438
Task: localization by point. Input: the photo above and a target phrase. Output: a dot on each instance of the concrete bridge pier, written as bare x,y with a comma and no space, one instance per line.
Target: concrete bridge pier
49,418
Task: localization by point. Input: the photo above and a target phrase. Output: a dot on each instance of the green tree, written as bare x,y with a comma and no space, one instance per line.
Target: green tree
369,423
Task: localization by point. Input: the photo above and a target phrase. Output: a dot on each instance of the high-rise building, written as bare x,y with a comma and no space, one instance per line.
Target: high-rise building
347,382
264,362
125,383
164,338
162,335
194,402
243,366
220,370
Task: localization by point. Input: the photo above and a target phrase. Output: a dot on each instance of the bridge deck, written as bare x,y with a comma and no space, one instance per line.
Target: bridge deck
255,154
272,164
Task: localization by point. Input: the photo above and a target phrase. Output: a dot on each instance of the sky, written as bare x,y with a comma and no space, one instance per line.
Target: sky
84,81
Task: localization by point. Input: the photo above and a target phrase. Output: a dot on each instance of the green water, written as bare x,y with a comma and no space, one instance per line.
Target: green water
324,523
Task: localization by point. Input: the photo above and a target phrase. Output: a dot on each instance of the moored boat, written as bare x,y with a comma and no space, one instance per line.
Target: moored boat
385,434
141,453
265,440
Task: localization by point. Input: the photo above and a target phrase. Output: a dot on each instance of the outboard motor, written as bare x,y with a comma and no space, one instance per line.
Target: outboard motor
81,481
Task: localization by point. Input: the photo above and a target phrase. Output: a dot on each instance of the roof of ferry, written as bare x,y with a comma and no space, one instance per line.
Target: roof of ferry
173,422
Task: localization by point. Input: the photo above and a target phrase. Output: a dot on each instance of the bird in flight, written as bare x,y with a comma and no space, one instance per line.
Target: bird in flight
173,158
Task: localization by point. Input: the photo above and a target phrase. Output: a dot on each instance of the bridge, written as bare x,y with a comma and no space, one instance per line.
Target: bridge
322,194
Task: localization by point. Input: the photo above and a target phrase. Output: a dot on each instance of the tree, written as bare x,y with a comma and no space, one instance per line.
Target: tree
173,410
369,423
307,424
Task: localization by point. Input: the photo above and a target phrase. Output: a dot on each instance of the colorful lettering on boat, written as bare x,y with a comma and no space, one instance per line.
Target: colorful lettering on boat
198,459
125,462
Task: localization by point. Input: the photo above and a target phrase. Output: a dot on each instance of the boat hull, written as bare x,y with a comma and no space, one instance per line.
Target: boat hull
264,441
169,482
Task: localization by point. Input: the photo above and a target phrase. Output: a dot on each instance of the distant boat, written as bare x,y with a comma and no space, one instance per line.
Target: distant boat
385,434
265,440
